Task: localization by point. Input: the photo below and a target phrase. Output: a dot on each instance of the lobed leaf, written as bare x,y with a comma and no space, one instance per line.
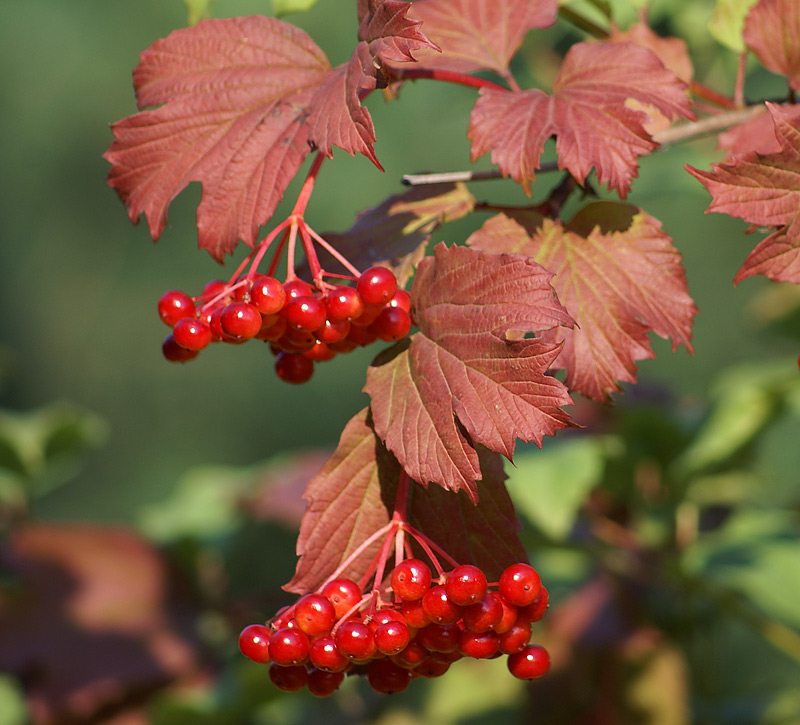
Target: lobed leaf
727,22
772,32
589,113
479,34
764,189
353,496
755,134
469,376
235,95
619,277
396,232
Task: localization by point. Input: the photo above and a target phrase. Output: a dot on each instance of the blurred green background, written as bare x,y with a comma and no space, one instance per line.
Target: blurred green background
79,286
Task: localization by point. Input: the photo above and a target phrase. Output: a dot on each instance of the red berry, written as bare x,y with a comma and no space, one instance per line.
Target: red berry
465,585
314,614
241,320
431,668
376,286
367,317
288,679
332,331
414,614
532,662
254,642
485,614
440,637
325,655
361,336
391,324
297,288
173,352
392,637
319,353
411,578
191,333
293,368
386,677
439,607
305,313
267,295
519,584
515,638
412,655
288,646
273,327
213,289
344,594
538,607
343,304
323,684
295,340
355,640
175,305
401,300
480,645
510,614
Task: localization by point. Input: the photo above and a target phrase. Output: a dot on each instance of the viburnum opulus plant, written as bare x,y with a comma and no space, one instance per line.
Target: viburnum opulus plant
409,556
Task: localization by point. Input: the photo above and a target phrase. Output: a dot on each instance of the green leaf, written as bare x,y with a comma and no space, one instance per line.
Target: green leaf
549,486
284,7
747,398
197,10
41,449
12,703
727,22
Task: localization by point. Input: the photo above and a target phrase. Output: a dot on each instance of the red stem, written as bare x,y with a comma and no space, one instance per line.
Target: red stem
448,76
741,71
712,96
308,186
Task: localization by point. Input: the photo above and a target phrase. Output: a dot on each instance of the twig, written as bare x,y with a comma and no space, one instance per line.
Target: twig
705,126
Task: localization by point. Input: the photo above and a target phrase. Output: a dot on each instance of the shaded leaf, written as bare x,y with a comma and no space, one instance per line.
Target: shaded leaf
764,189
549,487
772,32
469,377
353,494
95,625
727,22
397,231
235,94
479,34
197,10
588,113
619,277
390,34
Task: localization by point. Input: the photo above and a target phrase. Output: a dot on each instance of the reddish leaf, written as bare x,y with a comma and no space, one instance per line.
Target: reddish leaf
352,497
391,35
235,93
588,113
396,232
338,118
468,377
772,32
764,189
480,34
91,624
618,276
756,134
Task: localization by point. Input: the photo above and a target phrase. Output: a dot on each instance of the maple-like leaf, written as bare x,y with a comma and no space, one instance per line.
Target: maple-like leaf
469,376
235,93
618,276
772,32
241,103
354,494
396,232
764,189
757,134
337,117
588,113
479,34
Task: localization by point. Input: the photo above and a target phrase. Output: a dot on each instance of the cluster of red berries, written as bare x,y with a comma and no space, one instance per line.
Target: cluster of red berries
428,626
302,324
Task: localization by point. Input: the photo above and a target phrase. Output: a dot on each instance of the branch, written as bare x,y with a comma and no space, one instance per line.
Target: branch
450,177
706,126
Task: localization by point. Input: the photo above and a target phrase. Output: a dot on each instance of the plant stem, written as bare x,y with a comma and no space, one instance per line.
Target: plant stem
308,186
712,96
588,26
448,76
706,126
447,177
341,258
